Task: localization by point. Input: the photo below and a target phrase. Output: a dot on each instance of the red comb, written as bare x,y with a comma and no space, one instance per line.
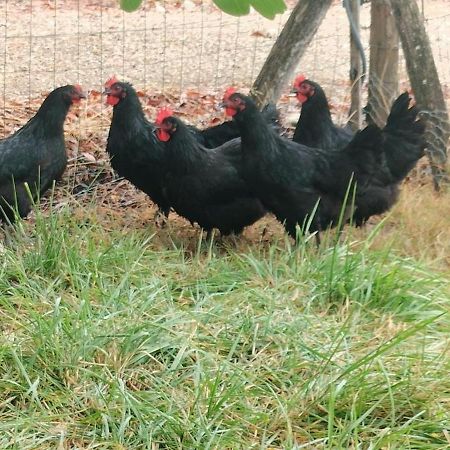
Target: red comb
299,80
230,91
163,113
111,81
78,88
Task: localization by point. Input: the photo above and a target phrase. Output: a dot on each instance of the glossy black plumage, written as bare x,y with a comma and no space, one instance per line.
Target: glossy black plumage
217,135
402,147
35,155
403,143
135,152
315,127
293,180
205,185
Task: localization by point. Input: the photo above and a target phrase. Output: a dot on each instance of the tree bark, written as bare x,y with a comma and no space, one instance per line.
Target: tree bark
425,83
290,46
383,71
355,115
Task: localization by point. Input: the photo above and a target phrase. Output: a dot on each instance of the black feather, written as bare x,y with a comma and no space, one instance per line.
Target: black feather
35,155
205,185
401,146
315,128
217,135
293,180
134,151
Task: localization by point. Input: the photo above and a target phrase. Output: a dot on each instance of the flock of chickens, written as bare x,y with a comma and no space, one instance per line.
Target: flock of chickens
228,176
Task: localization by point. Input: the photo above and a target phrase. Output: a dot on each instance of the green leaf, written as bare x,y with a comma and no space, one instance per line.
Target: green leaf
269,8
234,7
130,5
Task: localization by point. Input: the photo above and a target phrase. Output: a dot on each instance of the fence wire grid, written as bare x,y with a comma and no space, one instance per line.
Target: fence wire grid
172,46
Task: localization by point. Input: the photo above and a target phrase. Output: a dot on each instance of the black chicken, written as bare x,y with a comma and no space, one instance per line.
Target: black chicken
137,155
315,127
35,156
300,184
134,151
205,185
217,135
402,136
403,139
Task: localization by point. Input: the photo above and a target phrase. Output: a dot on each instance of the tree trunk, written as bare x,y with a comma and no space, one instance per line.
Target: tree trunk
383,72
425,83
290,46
355,120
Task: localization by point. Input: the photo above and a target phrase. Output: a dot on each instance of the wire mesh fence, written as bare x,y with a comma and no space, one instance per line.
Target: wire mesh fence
172,46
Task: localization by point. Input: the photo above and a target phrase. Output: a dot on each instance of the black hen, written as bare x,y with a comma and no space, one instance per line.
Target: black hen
293,180
134,151
315,127
402,144
205,186
35,156
217,135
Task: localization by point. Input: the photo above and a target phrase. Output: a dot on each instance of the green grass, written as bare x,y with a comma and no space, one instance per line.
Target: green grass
113,340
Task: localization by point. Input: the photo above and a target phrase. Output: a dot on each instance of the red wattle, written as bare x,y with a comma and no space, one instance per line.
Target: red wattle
301,98
111,100
162,135
230,111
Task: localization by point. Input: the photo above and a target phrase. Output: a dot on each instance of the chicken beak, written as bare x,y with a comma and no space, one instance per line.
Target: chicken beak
82,94
107,91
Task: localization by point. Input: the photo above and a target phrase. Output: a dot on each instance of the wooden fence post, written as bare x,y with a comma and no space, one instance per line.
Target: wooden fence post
355,112
290,46
424,80
384,54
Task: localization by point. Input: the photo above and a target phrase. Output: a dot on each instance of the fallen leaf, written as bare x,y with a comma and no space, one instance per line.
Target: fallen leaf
89,157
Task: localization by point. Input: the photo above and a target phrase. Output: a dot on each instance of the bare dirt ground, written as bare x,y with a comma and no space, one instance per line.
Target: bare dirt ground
179,55
45,43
